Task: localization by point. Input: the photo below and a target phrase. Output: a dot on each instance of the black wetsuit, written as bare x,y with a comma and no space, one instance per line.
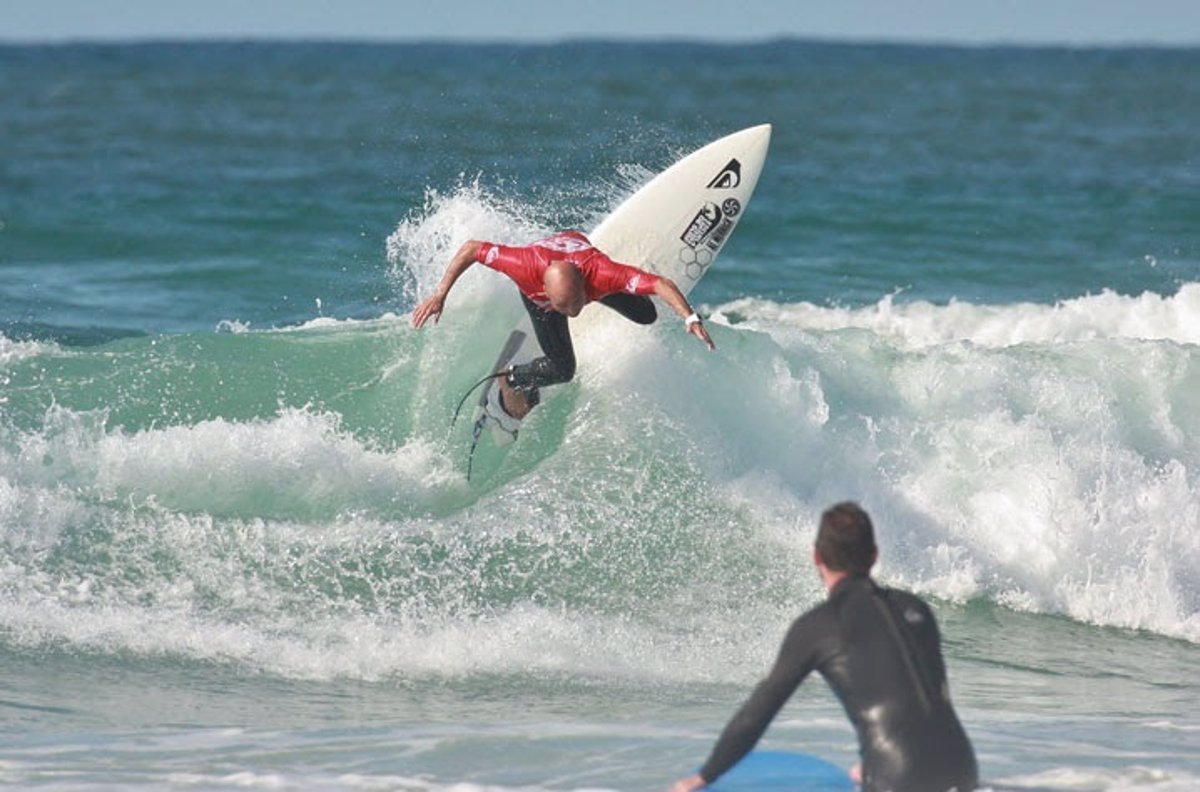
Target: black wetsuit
880,651
557,363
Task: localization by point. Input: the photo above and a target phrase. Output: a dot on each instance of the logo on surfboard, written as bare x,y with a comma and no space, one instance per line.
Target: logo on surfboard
705,235
729,177
711,224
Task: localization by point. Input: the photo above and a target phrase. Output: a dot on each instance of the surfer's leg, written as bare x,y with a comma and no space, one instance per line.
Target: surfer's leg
558,361
634,307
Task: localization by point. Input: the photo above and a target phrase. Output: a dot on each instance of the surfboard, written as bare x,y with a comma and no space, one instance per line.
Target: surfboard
674,226
783,771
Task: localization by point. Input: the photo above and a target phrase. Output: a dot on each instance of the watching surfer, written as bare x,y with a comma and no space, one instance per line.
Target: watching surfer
557,276
880,651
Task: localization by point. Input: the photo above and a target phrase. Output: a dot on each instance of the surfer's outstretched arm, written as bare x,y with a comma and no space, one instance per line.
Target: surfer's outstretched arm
666,290
431,306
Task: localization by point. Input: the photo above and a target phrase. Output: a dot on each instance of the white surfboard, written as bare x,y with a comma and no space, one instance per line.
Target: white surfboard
678,222
674,226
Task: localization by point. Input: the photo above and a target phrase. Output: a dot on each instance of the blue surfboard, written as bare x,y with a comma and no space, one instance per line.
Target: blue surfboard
782,771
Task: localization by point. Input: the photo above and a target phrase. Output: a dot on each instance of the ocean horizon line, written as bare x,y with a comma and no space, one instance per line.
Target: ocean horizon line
664,40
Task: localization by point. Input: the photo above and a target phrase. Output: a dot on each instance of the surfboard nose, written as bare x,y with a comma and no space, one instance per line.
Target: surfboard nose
755,133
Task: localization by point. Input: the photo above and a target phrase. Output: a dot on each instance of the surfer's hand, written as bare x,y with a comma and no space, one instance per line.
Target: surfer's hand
697,329
429,308
688,784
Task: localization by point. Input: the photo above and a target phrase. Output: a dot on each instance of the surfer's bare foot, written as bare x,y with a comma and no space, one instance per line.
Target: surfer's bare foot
515,402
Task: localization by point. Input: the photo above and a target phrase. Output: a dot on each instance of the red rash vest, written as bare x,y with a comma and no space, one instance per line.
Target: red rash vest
526,265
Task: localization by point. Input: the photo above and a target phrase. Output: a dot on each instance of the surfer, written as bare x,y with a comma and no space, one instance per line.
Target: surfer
557,276
880,651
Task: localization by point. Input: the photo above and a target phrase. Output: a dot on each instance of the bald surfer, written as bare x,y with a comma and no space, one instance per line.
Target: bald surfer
557,277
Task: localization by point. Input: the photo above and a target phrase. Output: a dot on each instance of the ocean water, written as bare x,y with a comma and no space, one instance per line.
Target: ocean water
238,549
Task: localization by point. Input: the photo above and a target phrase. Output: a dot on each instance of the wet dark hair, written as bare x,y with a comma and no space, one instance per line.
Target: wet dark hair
846,539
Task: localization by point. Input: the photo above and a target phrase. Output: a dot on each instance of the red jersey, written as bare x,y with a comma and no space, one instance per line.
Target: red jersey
526,265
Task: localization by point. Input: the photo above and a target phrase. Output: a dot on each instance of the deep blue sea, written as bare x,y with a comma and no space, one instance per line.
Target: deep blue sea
238,548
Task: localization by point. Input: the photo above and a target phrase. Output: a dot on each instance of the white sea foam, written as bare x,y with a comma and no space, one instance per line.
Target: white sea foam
423,243
1056,476
233,326
222,467
1127,779
1044,456
1033,507
921,324
14,351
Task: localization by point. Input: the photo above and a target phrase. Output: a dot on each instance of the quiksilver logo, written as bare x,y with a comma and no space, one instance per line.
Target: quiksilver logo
729,177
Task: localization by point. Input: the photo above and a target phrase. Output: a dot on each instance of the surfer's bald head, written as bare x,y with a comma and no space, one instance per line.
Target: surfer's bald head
565,288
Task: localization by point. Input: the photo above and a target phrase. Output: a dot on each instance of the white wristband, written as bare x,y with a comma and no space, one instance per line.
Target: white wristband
691,320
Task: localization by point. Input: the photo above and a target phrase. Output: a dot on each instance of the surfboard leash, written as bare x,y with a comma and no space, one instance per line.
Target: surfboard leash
476,433
474,388
477,430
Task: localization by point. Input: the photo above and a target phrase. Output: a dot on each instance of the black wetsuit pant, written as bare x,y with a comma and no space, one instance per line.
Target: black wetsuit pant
557,363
